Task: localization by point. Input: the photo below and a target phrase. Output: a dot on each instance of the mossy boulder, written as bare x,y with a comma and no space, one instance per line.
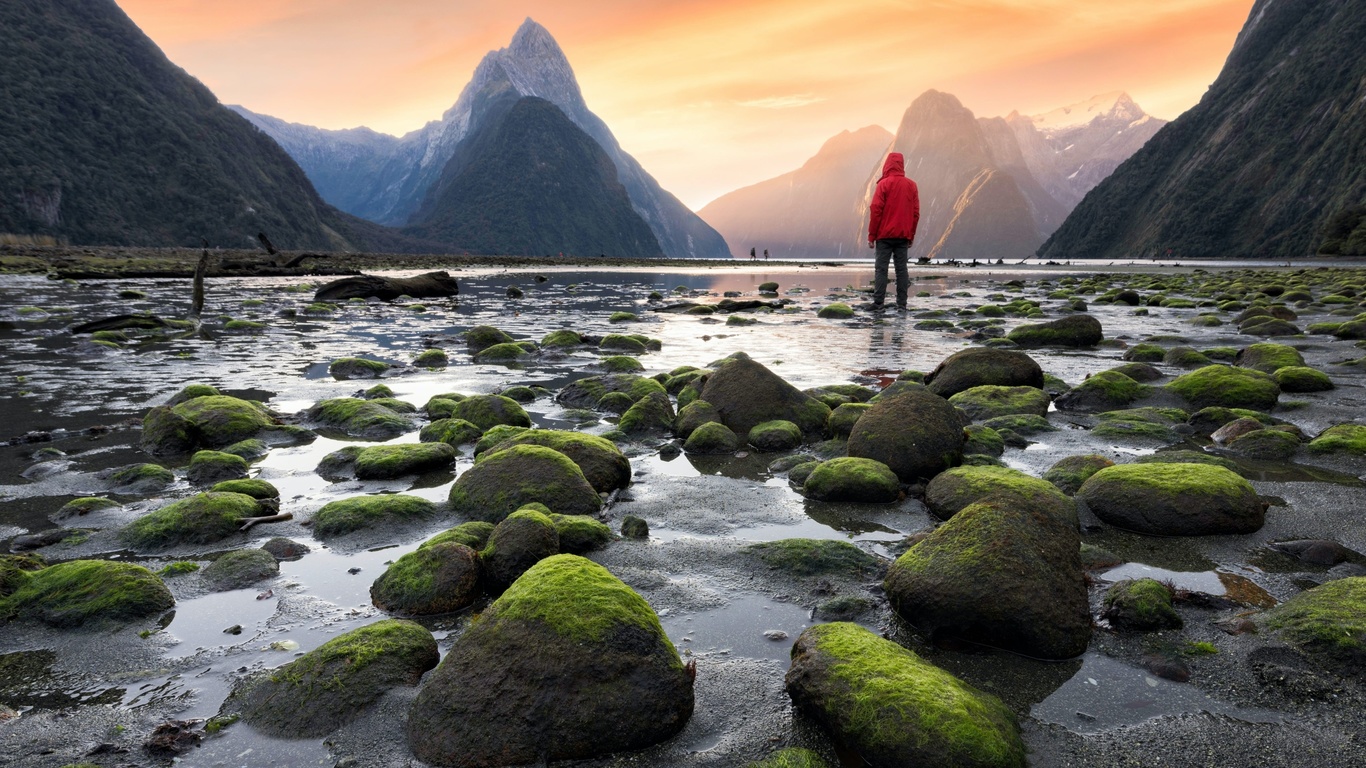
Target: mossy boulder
589,391
344,516
1298,378
652,414
387,462
621,343
251,449
481,337
633,527
436,578
835,311
15,569
356,368
1141,605
329,686
201,519
1147,423
1101,391
504,353
473,534
745,394
568,663
1140,372
954,489
1348,439
778,435
1185,357
890,707
694,415
791,757
980,366
521,540
601,461
1068,474
81,592
359,418
580,534
339,464
489,411
1269,358
1174,499
431,358
241,568
1265,444
1228,387
78,508
915,432
140,479
1145,352
999,574
843,419
852,479
209,467
282,548
452,432
507,480
1077,331
983,441
1207,421
989,401
806,558
1326,623
209,421
192,391
713,437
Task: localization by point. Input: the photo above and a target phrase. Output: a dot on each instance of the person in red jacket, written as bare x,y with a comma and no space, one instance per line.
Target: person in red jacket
895,214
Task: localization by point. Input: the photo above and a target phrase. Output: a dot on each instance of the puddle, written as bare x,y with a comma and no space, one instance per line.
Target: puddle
1107,694
238,746
1219,583
738,628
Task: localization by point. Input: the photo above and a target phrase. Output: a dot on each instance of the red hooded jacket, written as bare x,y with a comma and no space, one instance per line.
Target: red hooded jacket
896,203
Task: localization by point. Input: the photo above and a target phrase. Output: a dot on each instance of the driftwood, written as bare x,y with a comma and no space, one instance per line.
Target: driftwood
248,522
430,285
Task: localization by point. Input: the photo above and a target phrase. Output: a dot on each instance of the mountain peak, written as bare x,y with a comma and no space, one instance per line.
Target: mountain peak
532,38
1116,104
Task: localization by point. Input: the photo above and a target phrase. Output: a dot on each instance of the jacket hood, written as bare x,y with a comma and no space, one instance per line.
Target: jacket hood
895,165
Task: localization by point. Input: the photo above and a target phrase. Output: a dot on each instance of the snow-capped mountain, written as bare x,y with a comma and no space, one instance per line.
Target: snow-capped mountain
1072,149
386,179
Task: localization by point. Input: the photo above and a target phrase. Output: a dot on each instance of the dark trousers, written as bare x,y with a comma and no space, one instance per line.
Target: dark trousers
894,248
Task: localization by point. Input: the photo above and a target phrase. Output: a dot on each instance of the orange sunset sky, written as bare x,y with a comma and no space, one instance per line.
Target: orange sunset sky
709,95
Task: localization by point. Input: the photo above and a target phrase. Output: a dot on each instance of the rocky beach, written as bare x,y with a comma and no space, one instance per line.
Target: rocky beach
680,514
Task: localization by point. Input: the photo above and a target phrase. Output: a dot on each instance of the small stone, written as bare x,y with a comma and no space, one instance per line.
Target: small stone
775,635
353,571
235,629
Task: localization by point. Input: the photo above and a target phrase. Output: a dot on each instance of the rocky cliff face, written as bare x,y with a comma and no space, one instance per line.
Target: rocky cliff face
106,142
388,181
1269,163
806,213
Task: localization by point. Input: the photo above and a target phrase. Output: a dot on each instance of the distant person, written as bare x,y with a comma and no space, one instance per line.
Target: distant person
765,254
895,214
752,257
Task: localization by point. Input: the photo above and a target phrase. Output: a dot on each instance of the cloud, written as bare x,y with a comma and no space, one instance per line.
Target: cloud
783,102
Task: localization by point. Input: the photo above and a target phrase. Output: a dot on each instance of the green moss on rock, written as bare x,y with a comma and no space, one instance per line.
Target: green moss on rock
1142,605
86,592
474,534
989,401
1298,378
1269,358
386,462
200,519
452,432
431,358
836,311
481,337
509,479
1174,499
712,437
1075,331
694,415
257,489
602,463
653,413
1327,623
1228,387
140,479
853,480
1102,391
241,568
359,418
777,435
488,411
356,368
791,757
843,419
439,577
890,707
209,467
952,490
358,512
817,557
1347,439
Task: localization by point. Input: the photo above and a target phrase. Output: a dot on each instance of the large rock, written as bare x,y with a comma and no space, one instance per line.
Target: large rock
746,394
241,568
990,401
344,516
209,421
977,366
1268,358
330,685
916,433
1174,499
1101,391
894,709
82,593
386,462
1141,605
652,413
507,480
201,519
1227,387
600,460
489,411
1072,331
429,285
589,391
952,490
521,540
359,418
436,578
852,479
568,664
998,574
1327,623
